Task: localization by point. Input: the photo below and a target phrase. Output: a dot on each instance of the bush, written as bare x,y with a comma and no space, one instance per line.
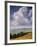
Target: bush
14,36
18,35
21,33
25,33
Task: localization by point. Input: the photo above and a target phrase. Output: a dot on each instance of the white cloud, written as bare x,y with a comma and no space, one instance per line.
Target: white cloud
19,18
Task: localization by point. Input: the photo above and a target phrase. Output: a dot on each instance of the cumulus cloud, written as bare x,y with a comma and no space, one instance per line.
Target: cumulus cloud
22,18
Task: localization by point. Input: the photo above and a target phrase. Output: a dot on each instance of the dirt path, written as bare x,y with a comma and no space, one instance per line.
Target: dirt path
28,36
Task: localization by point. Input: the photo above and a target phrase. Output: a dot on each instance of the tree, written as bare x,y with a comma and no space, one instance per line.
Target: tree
10,36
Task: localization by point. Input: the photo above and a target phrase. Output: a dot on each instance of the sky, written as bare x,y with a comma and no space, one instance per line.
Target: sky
20,16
